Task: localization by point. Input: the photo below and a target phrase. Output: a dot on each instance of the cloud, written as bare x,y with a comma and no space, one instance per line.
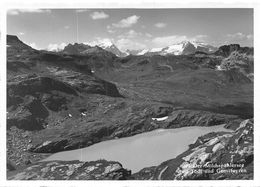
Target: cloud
168,40
56,47
124,44
130,34
160,25
127,22
201,38
124,23
99,40
99,15
239,37
19,11
21,33
110,29
66,27
250,36
81,10
148,35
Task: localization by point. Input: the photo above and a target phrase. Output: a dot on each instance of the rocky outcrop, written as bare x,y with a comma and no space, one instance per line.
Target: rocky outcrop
72,170
14,42
76,48
226,50
240,62
16,49
37,84
83,49
134,123
215,156
29,116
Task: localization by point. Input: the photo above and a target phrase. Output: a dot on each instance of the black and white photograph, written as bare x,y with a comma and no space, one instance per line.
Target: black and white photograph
129,94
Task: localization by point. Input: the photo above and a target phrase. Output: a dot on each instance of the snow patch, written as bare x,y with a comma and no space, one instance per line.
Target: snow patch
218,68
143,52
160,119
176,49
155,49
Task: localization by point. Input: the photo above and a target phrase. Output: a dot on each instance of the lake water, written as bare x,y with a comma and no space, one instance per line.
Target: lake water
142,150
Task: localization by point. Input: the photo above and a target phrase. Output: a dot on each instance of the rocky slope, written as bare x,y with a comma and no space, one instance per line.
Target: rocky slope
40,88
215,156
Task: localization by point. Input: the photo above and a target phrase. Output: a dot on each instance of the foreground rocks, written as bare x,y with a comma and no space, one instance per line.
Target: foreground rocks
72,170
215,156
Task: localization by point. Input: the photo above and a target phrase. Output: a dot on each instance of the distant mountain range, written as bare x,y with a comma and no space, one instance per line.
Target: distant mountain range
181,48
108,48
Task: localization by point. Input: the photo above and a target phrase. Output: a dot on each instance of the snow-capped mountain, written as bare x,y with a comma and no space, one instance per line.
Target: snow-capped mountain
182,48
142,52
109,46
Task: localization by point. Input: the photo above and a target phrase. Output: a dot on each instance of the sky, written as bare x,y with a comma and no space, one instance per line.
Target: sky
132,29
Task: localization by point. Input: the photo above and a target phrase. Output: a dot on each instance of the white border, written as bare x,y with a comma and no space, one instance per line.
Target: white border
5,4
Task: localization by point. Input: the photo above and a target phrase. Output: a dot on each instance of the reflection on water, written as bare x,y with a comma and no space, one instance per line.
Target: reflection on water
139,151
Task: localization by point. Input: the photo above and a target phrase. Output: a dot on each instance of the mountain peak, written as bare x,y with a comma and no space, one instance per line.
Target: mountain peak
106,43
12,38
15,43
109,46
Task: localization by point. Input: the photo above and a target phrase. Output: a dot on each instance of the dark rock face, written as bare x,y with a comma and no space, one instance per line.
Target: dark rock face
25,121
213,156
14,42
10,166
30,116
72,170
83,49
226,50
16,49
189,49
38,84
75,49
